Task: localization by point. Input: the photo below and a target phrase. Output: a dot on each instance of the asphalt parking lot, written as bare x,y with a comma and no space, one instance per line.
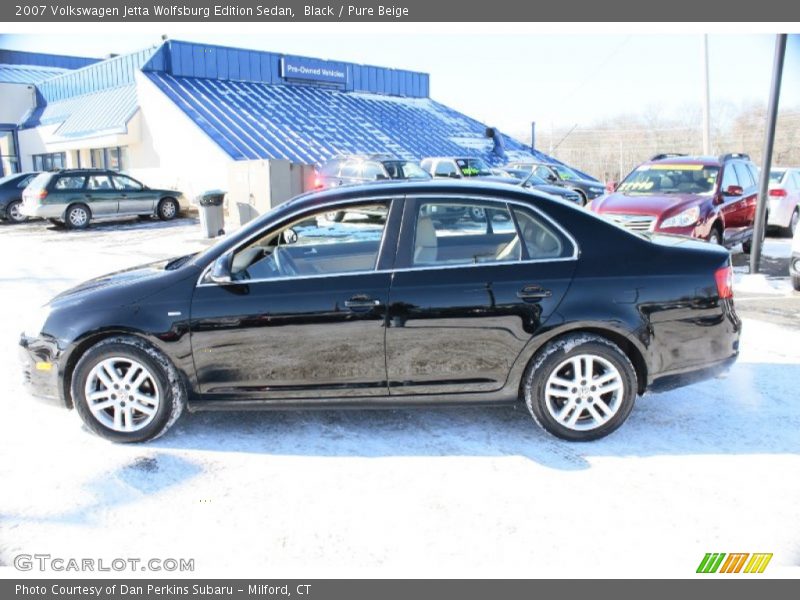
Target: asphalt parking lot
430,492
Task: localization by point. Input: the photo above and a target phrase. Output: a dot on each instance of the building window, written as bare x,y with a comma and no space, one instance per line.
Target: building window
114,158
9,161
49,162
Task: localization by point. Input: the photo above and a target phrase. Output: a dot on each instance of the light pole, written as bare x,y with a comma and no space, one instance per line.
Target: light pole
766,160
706,101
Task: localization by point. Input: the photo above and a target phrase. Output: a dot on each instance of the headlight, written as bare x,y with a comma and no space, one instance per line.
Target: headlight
33,322
683,219
597,190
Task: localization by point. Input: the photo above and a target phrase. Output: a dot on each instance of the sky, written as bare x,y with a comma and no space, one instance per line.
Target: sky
509,80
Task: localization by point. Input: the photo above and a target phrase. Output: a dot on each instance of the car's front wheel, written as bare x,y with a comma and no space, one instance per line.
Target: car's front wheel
167,209
14,213
78,216
580,387
126,391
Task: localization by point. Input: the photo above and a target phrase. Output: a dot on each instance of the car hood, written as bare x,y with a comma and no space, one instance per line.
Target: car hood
140,277
643,204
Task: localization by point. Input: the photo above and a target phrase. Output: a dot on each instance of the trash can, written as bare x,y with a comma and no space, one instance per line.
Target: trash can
212,215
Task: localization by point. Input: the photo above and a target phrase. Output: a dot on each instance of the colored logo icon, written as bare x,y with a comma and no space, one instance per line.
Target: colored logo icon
738,562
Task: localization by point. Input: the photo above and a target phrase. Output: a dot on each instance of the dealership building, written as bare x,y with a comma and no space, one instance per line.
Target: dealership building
195,117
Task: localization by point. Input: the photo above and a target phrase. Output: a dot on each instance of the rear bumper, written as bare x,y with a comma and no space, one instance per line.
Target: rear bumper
42,211
40,369
673,381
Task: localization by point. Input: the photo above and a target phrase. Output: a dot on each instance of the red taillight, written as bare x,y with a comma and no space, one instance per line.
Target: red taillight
42,194
724,278
778,192
317,183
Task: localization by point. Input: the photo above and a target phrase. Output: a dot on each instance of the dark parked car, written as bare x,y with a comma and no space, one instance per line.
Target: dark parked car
543,304
708,198
565,177
351,170
11,187
75,197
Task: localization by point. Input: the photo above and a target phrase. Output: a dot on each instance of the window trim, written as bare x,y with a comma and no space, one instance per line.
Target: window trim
404,203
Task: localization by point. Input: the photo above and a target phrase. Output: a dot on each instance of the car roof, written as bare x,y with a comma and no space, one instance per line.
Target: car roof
402,187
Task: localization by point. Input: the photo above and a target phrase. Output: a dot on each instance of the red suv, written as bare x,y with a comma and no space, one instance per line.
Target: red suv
708,198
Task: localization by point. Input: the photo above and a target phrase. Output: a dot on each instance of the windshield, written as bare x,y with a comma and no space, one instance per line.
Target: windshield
535,180
776,176
564,173
473,167
670,179
404,169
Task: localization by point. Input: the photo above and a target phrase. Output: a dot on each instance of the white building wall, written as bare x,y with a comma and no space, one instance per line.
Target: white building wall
16,99
173,152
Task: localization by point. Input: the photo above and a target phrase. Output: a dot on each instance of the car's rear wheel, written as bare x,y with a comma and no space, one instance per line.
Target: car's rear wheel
580,387
126,391
167,209
13,212
78,216
583,199
796,282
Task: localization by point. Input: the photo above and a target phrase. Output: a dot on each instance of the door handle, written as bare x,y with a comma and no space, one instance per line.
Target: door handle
533,292
361,302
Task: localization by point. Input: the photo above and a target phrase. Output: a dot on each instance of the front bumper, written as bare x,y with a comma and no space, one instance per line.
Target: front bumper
41,369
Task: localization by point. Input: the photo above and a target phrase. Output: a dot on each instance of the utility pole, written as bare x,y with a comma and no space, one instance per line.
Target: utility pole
766,161
706,101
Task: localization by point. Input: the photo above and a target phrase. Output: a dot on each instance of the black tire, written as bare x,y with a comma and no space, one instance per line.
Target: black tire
715,237
168,209
796,282
747,246
616,404
584,200
477,214
12,212
164,382
77,216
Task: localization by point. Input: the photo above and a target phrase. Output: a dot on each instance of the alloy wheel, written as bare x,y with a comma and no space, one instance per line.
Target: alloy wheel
78,217
584,392
122,394
14,212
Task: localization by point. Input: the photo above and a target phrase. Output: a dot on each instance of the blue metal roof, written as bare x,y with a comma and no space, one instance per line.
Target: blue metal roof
58,61
27,74
308,124
98,113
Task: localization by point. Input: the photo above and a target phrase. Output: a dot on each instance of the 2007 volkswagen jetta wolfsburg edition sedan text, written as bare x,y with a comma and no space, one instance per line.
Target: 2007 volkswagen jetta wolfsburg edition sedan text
539,303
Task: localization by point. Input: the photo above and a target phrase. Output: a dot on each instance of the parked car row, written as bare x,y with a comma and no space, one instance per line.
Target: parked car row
77,197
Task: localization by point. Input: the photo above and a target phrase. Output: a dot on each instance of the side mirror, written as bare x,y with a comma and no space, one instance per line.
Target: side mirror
220,272
289,236
734,190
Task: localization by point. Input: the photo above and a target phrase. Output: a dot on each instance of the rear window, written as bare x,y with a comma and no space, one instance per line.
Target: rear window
776,176
40,181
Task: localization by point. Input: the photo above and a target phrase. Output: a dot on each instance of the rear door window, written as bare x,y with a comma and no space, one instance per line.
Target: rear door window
99,183
70,182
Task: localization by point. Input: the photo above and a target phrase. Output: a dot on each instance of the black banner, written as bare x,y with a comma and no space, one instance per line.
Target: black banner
388,589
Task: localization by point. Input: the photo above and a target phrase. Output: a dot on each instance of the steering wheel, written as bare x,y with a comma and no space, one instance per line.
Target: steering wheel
284,262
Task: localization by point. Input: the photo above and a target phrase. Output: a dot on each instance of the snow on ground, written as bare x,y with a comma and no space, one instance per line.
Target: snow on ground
427,492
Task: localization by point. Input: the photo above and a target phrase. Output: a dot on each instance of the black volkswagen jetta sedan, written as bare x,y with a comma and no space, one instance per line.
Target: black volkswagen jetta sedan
539,303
